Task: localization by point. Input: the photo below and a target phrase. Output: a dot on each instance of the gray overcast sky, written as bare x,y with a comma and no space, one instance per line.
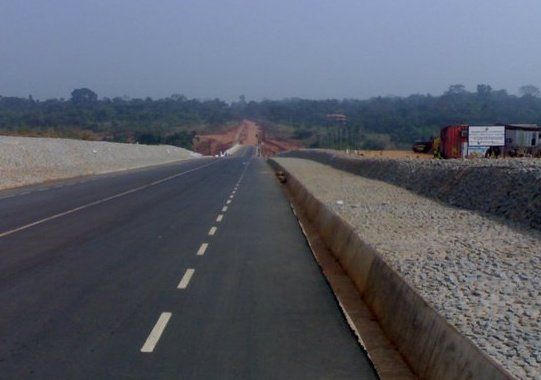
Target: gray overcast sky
266,49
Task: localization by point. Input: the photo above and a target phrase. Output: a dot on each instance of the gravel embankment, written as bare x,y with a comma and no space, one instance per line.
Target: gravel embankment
28,160
481,273
506,188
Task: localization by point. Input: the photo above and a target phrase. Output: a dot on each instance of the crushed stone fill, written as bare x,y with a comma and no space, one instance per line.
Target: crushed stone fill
480,272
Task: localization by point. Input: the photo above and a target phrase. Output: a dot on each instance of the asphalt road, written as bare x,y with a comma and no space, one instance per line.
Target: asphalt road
124,276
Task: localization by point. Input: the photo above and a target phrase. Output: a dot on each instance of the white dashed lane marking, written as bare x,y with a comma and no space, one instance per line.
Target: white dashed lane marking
156,332
202,249
219,218
224,209
228,201
183,284
212,230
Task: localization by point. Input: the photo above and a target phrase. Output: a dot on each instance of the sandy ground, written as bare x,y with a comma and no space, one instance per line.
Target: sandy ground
250,133
213,144
272,146
246,133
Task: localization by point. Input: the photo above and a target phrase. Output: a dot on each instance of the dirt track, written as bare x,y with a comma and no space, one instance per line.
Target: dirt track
246,133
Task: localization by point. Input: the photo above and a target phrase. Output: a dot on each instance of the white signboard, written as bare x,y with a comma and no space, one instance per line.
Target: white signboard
486,136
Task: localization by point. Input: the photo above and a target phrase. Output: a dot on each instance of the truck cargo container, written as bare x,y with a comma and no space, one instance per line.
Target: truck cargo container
454,141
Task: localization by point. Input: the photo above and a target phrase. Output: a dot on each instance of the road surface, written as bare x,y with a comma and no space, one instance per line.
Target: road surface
195,270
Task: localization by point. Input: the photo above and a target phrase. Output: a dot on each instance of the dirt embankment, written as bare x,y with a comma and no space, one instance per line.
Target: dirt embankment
272,146
246,133
213,144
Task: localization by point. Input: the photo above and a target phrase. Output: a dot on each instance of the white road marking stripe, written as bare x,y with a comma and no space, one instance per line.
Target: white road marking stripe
202,249
95,203
228,202
183,284
156,332
212,231
247,163
224,209
219,218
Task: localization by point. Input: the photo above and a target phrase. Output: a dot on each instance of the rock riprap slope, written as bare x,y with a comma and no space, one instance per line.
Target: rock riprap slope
510,188
28,160
478,271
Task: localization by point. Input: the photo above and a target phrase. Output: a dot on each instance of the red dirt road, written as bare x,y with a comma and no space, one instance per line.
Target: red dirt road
246,133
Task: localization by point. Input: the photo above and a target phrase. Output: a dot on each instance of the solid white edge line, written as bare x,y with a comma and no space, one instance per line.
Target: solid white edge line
219,218
212,230
156,332
185,281
202,249
95,203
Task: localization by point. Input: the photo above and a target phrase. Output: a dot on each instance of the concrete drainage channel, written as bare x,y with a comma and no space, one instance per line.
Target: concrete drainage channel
386,359
430,346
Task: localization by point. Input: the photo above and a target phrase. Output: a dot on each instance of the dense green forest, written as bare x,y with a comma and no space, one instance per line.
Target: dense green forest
376,123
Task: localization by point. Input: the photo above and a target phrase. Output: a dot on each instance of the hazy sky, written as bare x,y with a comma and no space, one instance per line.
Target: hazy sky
266,49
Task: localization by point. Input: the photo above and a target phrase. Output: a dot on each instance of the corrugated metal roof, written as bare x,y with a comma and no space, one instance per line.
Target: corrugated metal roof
524,126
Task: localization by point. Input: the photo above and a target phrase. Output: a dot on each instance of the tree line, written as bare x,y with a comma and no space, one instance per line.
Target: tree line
375,123
174,120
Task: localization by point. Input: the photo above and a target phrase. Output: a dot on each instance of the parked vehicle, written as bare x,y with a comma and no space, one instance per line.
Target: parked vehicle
423,146
520,140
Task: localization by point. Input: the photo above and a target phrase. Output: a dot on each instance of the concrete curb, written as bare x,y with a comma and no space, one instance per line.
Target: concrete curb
432,347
